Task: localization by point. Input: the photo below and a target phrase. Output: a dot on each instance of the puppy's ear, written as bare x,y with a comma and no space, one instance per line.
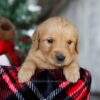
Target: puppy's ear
35,40
77,47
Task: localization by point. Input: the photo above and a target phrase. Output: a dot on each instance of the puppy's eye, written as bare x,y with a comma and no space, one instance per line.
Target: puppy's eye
69,42
50,41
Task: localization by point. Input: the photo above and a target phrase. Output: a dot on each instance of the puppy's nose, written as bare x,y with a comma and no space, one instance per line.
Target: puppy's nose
60,58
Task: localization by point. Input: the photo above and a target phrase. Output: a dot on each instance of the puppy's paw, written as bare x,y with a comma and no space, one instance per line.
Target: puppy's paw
72,77
24,75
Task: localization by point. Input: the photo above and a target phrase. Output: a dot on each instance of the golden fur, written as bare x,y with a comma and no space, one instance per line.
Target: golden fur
55,36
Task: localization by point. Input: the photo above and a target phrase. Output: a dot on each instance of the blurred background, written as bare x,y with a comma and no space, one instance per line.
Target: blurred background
85,15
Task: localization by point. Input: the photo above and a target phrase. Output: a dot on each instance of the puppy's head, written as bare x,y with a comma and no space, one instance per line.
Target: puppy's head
57,39
7,30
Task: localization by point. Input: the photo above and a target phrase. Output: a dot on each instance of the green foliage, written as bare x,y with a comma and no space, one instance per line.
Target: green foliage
24,43
19,13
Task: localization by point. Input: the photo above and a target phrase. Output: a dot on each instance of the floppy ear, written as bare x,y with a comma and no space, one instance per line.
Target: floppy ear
77,46
35,40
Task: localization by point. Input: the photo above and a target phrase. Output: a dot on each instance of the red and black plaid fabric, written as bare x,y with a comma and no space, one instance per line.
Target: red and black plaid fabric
45,85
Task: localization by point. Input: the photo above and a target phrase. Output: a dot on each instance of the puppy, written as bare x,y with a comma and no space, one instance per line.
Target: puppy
55,45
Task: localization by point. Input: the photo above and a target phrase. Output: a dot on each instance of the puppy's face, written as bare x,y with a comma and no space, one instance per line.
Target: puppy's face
57,40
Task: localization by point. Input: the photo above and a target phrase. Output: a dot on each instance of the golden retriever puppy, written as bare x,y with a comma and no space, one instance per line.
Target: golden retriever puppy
55,45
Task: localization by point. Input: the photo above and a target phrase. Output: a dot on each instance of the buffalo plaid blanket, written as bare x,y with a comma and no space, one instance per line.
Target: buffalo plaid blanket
44,85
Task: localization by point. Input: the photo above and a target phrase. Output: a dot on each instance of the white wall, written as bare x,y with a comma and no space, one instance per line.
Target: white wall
85,14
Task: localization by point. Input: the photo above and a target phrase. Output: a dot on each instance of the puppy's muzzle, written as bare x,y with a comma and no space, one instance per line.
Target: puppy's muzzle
60,58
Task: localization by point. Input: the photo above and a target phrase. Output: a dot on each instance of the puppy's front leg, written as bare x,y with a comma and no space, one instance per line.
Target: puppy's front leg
26,71
72,73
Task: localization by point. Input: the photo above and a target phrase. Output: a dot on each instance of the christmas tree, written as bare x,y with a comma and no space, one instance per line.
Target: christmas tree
24,15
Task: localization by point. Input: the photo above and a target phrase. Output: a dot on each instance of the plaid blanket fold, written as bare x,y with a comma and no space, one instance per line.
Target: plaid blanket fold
44,85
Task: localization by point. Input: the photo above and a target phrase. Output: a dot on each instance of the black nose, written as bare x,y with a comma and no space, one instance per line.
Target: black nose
60,58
